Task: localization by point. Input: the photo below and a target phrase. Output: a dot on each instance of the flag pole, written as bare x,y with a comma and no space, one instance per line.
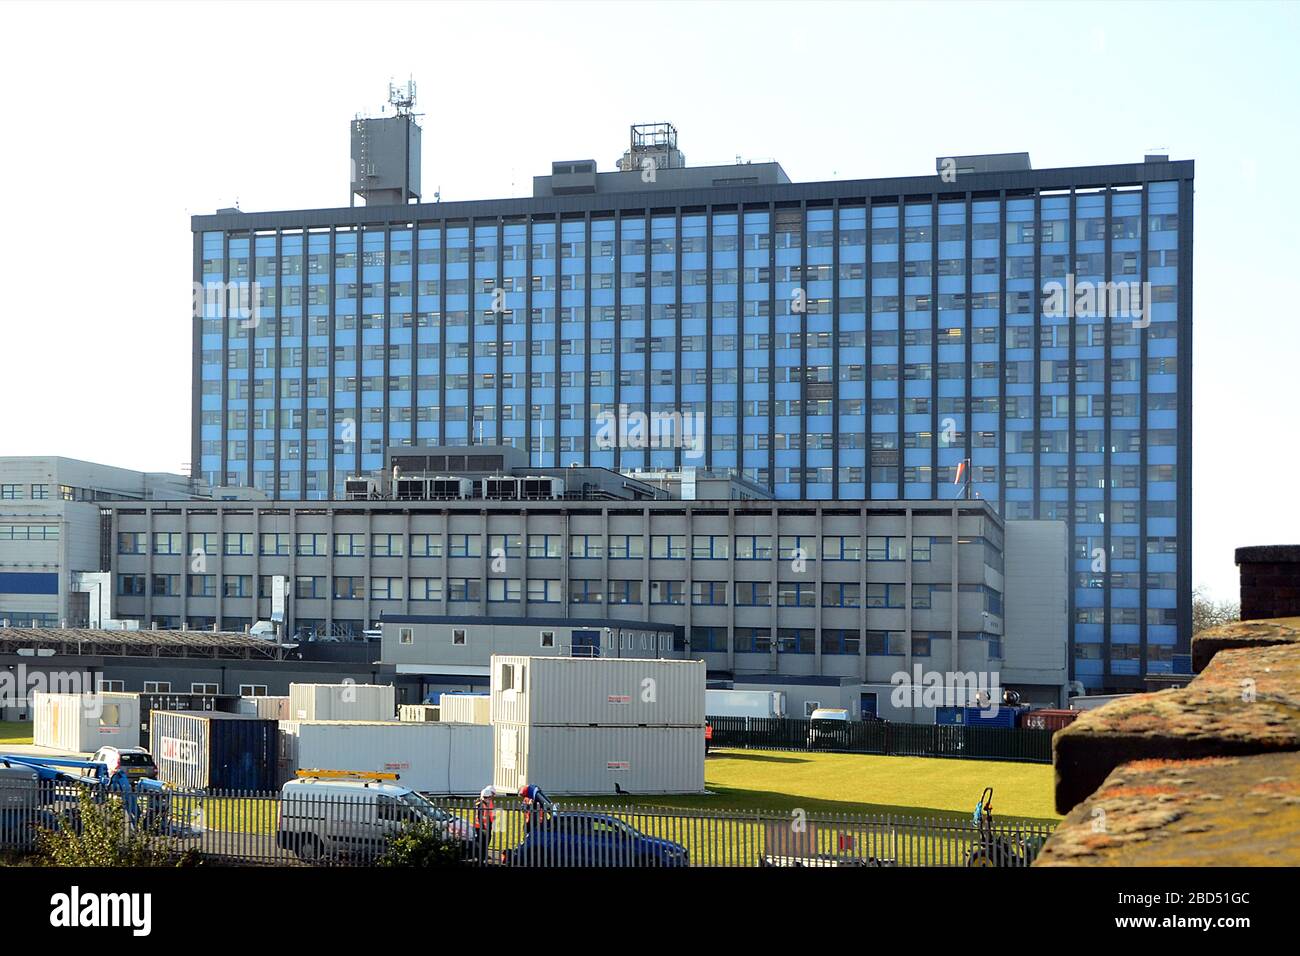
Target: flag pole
963,468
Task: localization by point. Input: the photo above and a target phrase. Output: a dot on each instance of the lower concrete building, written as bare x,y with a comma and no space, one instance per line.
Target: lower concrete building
852,593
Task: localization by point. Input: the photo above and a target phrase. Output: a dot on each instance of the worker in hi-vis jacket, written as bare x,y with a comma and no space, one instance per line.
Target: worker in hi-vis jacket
485,814
536,805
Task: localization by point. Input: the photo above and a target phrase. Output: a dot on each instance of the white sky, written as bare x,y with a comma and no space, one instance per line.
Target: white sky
124,120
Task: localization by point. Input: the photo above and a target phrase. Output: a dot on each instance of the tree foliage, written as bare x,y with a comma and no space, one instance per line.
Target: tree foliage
422,845
1207,612
97,833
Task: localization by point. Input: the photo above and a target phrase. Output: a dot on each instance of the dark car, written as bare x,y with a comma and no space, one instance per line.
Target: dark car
136,762
592,839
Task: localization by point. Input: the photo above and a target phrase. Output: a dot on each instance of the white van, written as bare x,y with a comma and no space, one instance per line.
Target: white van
828,727
356,818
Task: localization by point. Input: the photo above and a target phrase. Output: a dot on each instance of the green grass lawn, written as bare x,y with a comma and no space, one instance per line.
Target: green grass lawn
867,783
232,815
15,732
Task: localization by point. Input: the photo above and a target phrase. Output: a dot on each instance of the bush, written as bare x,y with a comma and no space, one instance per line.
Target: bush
98,835
421,845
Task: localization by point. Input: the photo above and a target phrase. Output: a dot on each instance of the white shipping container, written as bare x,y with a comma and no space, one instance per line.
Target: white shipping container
431,757
606,692
591,760
270,708
744,703
82,723
342,702
417,712
465,708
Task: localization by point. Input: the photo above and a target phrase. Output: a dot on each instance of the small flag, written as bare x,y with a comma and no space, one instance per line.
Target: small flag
961,471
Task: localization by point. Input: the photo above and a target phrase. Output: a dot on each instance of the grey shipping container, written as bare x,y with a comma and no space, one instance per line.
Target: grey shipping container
591,760
346,701
597,692
221,703
215,751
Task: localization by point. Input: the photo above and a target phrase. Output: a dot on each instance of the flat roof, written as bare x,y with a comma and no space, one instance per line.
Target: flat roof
891,189
98,642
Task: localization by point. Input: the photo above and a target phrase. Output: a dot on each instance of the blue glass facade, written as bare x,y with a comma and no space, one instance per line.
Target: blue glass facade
841,340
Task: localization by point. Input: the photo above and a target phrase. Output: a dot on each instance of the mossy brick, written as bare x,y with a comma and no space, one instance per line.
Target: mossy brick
1246,701
1215,811
1281,630
1267,554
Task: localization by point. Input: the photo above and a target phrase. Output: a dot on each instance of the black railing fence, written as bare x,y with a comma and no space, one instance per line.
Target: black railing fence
883,737
237,828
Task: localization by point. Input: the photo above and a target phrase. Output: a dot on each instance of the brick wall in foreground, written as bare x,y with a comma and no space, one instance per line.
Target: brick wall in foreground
1207,774
1270,581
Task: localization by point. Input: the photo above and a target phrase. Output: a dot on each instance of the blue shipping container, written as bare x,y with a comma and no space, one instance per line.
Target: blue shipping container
215,751
1002,717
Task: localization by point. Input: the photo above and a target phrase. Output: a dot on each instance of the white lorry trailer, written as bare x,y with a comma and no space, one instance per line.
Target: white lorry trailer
744,703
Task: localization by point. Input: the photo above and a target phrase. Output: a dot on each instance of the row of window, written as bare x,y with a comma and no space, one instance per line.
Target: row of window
1123,651
757,547
29,532
633,341
790,640
165,687
1155,616
634,250
600,245
37,492
291,418
786,640
550,590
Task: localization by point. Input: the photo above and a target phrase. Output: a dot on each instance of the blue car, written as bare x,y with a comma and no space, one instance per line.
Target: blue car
591,839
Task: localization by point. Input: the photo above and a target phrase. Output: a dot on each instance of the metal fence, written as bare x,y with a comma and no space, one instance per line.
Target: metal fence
884,737
269,829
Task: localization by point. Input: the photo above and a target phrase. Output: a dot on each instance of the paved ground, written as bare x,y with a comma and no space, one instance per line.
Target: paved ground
245,848
35,751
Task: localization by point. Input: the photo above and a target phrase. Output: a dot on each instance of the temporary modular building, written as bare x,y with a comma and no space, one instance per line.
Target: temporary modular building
419,713
82,723
431,757
342,702
602,692
465,708
591,760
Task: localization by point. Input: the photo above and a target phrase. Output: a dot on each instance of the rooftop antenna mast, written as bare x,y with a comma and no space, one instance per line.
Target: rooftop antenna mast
403,99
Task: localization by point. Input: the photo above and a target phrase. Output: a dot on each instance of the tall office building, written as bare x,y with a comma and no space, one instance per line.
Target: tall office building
1017,335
